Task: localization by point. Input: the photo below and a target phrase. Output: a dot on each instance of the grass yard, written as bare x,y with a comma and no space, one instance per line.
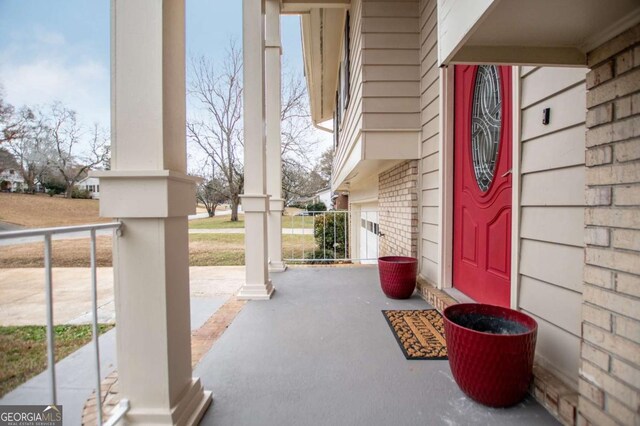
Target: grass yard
204,250
217,222
23,350
223,222
228,249
40,211
66,254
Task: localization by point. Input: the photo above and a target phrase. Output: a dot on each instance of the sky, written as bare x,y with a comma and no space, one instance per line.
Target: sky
59,50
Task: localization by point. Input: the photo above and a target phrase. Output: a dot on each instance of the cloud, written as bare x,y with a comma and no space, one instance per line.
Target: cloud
44,67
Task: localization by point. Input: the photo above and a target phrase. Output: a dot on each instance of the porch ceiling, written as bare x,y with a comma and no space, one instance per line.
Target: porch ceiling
321,353
543,32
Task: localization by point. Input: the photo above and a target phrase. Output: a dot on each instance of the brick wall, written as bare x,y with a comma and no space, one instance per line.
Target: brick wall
609,382
398,210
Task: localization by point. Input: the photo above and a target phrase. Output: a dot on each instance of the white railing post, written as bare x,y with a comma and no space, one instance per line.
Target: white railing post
94,317
51,349
47,234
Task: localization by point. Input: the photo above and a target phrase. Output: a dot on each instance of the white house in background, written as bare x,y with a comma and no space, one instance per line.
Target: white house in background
324,195
11,180
91,184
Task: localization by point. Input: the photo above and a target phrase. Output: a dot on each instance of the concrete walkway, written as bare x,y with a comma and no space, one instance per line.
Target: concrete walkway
23,300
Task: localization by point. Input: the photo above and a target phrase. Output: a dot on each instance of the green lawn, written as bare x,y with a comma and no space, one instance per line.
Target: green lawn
228,249
224,222
217,222
23,350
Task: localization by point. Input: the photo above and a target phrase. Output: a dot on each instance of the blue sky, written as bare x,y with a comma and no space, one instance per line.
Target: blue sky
59,49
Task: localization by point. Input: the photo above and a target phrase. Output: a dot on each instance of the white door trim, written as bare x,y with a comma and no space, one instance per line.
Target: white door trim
515,187
447,78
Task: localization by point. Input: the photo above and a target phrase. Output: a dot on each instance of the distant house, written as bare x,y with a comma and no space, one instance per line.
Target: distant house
91,184
324,195
10,178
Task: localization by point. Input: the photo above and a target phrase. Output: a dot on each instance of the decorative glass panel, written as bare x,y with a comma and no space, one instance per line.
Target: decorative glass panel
486,121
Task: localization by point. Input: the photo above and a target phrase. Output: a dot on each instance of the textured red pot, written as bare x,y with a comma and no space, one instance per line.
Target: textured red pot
493,369
398,276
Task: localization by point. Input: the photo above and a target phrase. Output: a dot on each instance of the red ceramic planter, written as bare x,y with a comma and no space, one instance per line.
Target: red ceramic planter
398,276
491,352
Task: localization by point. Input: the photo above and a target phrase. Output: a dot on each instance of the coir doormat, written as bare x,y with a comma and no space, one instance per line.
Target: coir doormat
420,333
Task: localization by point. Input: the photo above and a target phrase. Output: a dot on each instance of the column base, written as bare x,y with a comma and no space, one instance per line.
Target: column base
277,266
188,411
256,291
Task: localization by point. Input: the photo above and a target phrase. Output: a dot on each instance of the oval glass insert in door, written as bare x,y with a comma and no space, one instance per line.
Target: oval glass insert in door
486,121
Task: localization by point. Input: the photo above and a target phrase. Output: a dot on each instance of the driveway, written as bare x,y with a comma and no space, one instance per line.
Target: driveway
23,300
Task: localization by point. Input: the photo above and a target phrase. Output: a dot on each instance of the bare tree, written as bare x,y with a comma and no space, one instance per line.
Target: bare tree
8,125
29,145
218,128
211,193
299,180
295,120
67,138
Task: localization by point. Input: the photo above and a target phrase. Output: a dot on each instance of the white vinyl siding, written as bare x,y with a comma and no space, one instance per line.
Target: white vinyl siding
385,79
552,212
390,66
430,139
351,125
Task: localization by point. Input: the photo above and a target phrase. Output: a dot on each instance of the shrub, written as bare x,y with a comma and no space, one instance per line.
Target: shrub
80,193
318,207
54,187
324,226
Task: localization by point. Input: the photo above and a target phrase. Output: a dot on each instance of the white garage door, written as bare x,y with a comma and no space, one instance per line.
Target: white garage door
369,230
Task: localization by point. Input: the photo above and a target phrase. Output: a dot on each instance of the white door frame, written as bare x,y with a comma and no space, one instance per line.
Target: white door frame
445,279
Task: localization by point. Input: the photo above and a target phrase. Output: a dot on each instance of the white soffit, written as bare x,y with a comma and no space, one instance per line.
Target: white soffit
322,31
541,32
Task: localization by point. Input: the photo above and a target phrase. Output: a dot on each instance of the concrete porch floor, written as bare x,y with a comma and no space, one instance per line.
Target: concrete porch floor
321,353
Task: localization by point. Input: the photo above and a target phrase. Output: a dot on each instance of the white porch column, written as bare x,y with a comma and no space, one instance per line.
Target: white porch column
255,201
148,189
274,161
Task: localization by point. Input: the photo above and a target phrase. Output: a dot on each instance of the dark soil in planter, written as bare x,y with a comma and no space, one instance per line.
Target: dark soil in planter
489,324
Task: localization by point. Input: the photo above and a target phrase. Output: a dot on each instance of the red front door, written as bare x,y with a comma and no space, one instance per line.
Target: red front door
482,183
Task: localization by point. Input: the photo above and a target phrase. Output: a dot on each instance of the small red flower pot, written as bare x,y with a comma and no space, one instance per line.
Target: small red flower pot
398,276
491,352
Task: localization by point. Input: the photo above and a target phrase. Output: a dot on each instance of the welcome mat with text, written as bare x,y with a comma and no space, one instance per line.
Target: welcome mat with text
420,333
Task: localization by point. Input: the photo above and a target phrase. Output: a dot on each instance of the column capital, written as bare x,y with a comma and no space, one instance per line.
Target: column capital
255,203
146,193
276,204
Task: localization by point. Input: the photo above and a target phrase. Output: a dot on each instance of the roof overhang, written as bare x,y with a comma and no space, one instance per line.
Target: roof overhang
304,6
370,155
321,43
524,32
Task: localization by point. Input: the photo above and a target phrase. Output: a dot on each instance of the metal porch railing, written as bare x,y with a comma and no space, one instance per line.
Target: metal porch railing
330,234
47,234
